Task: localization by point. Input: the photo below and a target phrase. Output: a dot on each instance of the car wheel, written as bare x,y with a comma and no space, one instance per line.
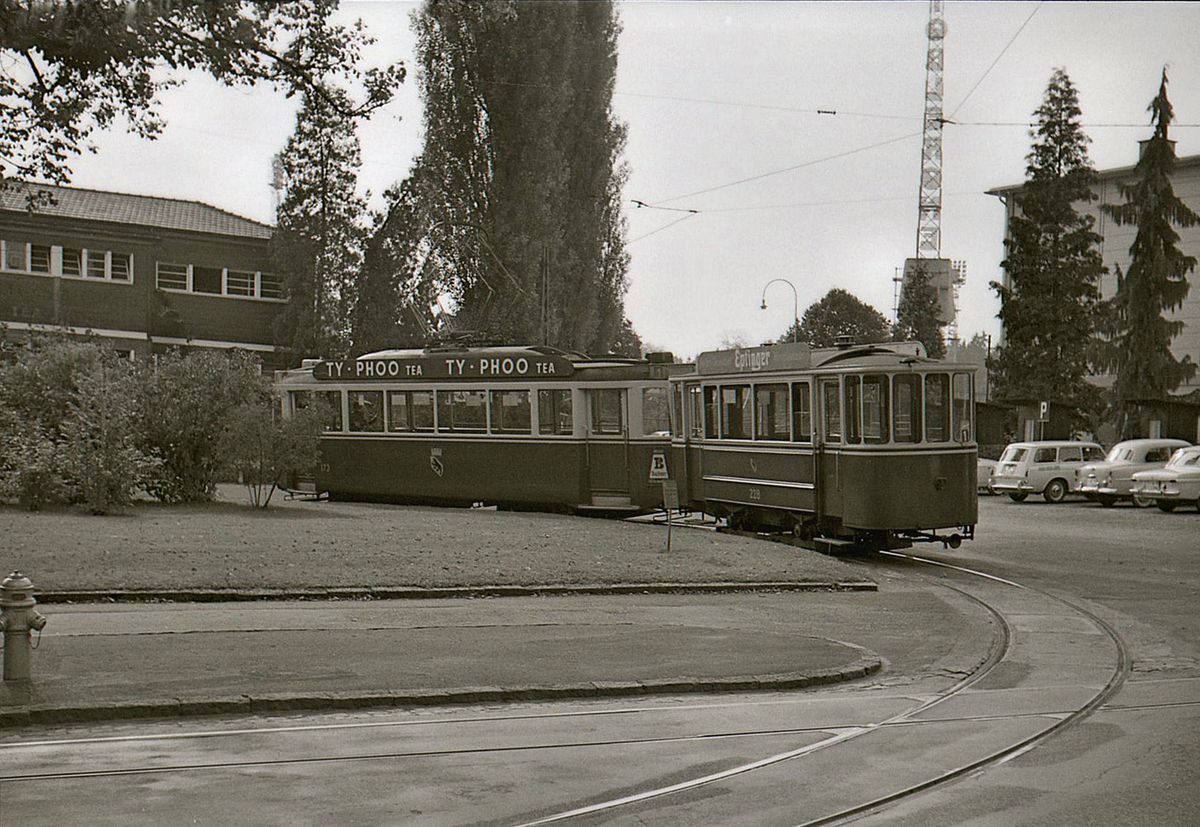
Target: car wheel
1166,505
1017,496
991,489
1107,502
1142,502
1056,491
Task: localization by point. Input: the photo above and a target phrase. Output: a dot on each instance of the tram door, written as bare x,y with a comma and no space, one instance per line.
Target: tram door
608,446
828,447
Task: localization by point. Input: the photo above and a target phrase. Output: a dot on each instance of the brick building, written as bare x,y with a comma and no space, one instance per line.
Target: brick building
141,273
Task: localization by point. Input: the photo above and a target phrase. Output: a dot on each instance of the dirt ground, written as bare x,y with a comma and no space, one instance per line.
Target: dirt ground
304,544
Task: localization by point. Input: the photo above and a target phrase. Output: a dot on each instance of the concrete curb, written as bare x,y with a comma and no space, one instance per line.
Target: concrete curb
867,664
450,592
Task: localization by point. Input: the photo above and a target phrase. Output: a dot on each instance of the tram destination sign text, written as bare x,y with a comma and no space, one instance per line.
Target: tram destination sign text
446,366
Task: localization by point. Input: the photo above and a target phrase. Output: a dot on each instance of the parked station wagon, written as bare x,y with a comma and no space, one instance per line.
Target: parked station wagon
1176,482
1045,467
1112,480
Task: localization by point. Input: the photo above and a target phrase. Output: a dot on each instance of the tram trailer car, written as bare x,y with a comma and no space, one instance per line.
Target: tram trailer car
868,446
518,427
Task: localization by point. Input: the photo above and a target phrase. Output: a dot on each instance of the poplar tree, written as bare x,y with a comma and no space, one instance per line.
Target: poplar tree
524,179
918,316
318,241
1138,335
394,296
1053,263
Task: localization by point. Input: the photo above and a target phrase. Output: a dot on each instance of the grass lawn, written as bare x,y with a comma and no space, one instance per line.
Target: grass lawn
300,544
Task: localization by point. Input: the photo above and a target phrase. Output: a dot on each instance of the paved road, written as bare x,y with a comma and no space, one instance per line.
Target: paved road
1137,760
1133,761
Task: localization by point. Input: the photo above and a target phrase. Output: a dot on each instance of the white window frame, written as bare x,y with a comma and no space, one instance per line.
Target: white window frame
224,294
56,262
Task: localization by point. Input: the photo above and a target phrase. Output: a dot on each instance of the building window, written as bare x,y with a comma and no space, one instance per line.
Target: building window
239,283
270,287
122,267
171,276
39,258
72,262
206,280
14,255
97,266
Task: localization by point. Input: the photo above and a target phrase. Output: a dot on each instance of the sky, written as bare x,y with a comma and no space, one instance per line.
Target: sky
728,108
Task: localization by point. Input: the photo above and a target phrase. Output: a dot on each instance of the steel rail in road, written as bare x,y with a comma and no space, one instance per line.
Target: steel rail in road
838,735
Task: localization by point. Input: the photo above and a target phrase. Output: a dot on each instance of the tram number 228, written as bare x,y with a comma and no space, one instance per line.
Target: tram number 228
755,494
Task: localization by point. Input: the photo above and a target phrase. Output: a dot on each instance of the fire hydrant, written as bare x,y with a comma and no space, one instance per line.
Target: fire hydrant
17,618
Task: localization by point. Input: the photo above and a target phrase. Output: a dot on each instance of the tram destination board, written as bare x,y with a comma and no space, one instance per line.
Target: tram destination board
522,365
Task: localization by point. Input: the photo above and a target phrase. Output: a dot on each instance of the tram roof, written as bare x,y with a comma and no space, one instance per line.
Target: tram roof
797,356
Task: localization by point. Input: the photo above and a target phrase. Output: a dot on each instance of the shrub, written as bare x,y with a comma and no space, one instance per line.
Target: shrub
262,447
184,404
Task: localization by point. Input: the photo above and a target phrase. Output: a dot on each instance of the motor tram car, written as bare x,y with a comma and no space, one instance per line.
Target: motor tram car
868,446
519,427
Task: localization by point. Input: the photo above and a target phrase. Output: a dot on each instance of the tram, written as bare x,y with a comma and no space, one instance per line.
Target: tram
519,427
866,446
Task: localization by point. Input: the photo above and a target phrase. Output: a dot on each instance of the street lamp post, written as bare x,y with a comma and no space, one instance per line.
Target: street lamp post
795,306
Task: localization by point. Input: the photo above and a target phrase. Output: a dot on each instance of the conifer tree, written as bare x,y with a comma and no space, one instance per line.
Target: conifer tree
918,317
1138,336
1053,263
318,242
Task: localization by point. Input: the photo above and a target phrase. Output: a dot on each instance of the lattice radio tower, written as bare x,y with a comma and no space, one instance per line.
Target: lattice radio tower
929,218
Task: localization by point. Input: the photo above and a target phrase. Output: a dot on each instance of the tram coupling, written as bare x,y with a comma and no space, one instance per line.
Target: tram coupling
950,541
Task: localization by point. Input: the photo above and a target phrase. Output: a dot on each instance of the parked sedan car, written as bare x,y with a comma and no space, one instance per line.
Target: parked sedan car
1176,482
1112,480
985,469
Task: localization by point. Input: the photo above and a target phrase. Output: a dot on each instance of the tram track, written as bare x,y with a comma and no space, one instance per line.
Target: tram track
838,735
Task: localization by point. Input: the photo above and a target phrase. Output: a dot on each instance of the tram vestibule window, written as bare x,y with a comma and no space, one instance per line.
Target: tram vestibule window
801,412
831,410
960,409
937,407
712,413
608,411
554,411
851,408
875,409
329,401
656,415
906,417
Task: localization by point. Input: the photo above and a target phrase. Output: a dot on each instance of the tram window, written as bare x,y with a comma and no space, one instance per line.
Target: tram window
399,418
421,408
511,413
554,411
831,409
852,390
608,412
711,412
875,409
656,417
771,412
801,413
906,420
960,407
366,411
937,407
462,411
329,401
735,412
677,411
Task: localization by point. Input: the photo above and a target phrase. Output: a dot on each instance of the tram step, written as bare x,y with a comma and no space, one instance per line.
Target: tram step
611,501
